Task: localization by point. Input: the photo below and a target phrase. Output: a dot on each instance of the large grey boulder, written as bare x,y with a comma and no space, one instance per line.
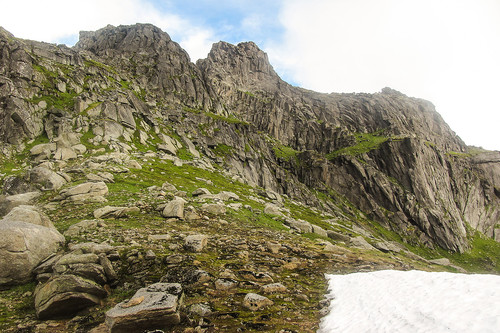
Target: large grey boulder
153,307
64,295
22,247
28,214
46,178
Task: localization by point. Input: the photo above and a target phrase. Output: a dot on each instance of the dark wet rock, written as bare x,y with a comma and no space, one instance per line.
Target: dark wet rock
65,295
186,275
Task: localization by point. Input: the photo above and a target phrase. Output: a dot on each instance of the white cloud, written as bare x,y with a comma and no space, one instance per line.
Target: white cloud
446,51
56,20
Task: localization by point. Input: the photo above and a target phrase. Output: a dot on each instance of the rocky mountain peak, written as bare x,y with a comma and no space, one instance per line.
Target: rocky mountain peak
244,66
138,38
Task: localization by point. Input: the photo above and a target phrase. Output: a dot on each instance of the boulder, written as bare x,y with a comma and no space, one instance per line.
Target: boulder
441,261
86,192
186,275
195,243
43,148
101,177
361,243
214,209
273,288
174,208
79,227
318,230
201,191
225,284
114,212
153,307
299,225
7,203
22,247
16,185
28,214
338,236
48,179
65,154
226,196
272,209
65,295
255,302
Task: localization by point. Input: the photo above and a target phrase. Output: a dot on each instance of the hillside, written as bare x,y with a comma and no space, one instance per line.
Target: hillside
219,180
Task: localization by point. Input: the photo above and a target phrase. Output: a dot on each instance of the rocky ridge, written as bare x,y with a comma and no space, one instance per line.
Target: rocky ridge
222,178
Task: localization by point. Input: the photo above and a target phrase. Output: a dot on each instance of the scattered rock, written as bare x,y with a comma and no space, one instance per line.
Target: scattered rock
168,187
255,302
186,275
174,208
200,309
46,178
319,231
272,209
226,196
441,261
101,177
76,229
273,288
273,247
214,209
299,225
225,284
86,192
163,237
201,191
338,236
256,276
158,308
115,212
195,243
361,243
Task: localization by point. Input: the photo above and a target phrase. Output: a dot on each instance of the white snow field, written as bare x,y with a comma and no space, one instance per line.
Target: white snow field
413,302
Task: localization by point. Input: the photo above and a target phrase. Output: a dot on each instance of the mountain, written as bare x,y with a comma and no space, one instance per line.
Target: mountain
126,107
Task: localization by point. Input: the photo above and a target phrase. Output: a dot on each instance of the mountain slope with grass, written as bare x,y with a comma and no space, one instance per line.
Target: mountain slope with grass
220,181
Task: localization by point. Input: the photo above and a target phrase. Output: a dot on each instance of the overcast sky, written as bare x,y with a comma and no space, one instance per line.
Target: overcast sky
446,51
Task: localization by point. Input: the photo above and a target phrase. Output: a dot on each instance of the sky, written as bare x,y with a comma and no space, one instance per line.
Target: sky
445,51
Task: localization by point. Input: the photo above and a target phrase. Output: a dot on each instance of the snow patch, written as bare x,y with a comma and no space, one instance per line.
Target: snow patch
414,301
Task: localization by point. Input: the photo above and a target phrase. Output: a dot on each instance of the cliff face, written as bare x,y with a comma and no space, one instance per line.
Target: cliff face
383,158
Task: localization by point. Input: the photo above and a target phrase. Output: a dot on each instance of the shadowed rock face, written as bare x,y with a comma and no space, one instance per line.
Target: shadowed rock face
391,157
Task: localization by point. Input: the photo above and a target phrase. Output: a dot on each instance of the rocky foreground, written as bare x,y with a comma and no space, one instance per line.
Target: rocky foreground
142,191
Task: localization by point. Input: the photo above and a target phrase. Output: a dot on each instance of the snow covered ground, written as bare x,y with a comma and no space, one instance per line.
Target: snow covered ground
413,302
